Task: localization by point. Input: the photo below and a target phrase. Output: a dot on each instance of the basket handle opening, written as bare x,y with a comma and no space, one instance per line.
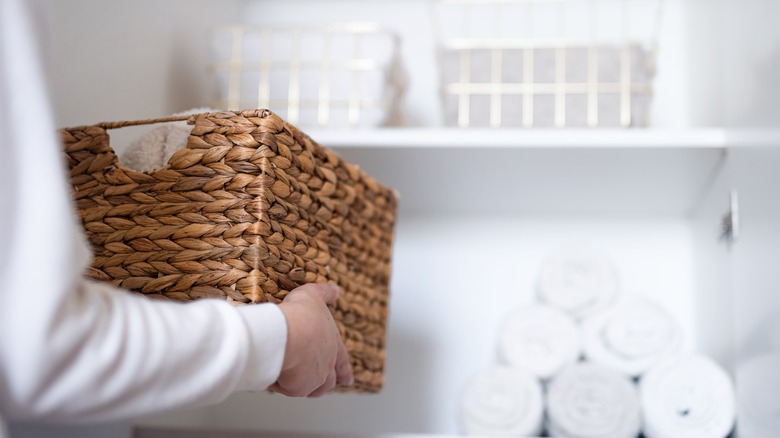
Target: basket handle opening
113,125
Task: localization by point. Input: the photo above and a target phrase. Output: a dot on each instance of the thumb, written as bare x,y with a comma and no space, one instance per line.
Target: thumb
328,293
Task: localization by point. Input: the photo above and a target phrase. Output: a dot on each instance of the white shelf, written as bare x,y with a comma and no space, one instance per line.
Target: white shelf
523,138
487,172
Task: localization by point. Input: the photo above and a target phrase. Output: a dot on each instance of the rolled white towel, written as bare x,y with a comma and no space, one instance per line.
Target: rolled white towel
578,280
757,395
587,400
631,336
502,401
688,396
153,150
539,338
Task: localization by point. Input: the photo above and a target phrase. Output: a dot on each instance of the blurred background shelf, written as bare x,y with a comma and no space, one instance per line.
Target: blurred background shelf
487,180
484,171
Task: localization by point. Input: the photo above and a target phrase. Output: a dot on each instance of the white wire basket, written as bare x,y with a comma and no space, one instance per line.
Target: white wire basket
546,63
342,75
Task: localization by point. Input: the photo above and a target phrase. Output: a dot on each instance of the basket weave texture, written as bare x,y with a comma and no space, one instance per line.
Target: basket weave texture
250,209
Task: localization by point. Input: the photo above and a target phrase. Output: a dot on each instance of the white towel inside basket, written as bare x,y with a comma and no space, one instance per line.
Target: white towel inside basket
153,150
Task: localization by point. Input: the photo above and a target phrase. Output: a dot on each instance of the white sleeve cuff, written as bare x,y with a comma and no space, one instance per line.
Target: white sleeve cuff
267,329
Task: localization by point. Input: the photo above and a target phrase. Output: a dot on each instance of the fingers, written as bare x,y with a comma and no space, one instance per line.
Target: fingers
316,359
340,374
278,388
328,292
344,375
310,391
328,386
297,391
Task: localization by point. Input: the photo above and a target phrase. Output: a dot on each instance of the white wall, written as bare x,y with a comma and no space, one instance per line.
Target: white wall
734,61
751,63
131,60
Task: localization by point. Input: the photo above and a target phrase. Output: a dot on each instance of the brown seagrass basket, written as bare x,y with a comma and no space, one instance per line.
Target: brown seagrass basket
250,209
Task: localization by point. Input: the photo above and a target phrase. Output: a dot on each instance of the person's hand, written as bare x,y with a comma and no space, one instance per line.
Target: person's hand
315,359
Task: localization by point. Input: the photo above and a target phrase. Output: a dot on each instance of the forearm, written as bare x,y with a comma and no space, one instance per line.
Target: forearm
108,354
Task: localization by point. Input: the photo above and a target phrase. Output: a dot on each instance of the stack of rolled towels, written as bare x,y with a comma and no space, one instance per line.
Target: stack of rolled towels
584,362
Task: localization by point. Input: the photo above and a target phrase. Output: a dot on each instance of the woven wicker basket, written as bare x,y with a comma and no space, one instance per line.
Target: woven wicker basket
250,209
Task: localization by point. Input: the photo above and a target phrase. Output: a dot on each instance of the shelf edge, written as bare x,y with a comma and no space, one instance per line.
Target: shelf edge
521,138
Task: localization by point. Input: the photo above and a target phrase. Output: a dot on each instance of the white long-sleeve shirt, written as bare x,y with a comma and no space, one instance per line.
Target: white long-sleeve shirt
75,350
